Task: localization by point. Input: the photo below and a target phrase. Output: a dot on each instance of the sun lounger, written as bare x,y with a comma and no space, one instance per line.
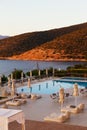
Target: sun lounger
83,92
81,107
74,110
66,94
35,96
4,106
21,100
54,96
58,118
13,103
23,95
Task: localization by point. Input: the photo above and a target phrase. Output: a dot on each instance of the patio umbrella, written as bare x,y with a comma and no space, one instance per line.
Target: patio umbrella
13,88
39,72
11,76
29,82
53,72
9,82
46,72
29,85
61,96
30,74
75,92
0,79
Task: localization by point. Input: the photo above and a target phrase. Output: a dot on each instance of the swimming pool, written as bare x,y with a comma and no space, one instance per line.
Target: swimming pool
49,86
75,78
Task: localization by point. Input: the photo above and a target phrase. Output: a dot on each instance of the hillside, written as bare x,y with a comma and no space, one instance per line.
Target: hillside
68,43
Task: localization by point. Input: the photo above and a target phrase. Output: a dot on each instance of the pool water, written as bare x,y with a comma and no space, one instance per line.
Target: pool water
50,86
75,78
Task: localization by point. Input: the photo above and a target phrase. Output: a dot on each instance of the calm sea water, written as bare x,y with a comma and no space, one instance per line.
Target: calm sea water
7,66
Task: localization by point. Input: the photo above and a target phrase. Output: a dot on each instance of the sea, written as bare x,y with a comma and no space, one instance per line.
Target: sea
7,66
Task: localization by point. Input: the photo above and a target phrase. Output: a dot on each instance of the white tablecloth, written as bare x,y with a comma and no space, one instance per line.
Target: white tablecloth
9,115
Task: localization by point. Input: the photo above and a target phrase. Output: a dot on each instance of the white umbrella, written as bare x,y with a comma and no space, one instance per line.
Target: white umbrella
46,72
75,92
11,76
29,84
0,80
13,88
53,72
9,81
39,73
22,76
61,96
30,73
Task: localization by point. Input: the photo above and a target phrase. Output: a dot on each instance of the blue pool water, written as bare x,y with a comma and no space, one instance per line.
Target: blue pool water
79,80
50,86
74,78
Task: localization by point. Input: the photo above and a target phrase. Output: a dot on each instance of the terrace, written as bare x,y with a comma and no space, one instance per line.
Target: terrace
36,110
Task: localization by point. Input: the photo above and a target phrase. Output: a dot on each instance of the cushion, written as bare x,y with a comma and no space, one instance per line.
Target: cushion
60,117
72,106
33,96
81,106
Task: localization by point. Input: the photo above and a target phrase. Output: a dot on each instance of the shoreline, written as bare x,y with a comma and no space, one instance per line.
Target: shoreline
48,60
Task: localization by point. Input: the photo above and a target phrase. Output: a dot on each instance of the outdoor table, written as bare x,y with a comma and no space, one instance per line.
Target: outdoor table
9,115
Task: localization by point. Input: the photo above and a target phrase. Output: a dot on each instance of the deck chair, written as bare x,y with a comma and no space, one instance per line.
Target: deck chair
58,118
79,108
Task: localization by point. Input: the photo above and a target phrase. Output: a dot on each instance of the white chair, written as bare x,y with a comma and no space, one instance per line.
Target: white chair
58,118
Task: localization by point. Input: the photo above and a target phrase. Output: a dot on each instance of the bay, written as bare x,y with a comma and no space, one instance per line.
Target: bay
7,66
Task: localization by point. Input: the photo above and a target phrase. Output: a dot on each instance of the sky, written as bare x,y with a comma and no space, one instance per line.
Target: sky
22,16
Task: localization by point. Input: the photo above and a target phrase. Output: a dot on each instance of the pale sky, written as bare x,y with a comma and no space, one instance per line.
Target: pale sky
21,16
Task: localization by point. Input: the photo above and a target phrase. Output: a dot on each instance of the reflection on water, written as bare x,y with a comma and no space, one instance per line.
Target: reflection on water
53,83
30,89
39,87
46,85
22,90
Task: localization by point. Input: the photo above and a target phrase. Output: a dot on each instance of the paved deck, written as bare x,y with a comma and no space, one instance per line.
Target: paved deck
40,108
36,110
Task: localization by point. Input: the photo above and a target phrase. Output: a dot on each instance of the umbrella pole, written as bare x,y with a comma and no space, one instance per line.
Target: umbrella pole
61,106
75,100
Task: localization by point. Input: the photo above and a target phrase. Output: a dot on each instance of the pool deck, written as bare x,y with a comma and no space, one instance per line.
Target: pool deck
36,110
40,108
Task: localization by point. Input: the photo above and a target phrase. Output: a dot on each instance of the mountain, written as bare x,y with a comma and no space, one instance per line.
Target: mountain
67,43
3,37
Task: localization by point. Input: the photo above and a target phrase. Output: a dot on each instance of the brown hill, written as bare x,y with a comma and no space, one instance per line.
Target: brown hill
63,43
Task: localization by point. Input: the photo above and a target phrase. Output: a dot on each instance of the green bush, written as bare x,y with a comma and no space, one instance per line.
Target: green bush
17,74
4,79
35,72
